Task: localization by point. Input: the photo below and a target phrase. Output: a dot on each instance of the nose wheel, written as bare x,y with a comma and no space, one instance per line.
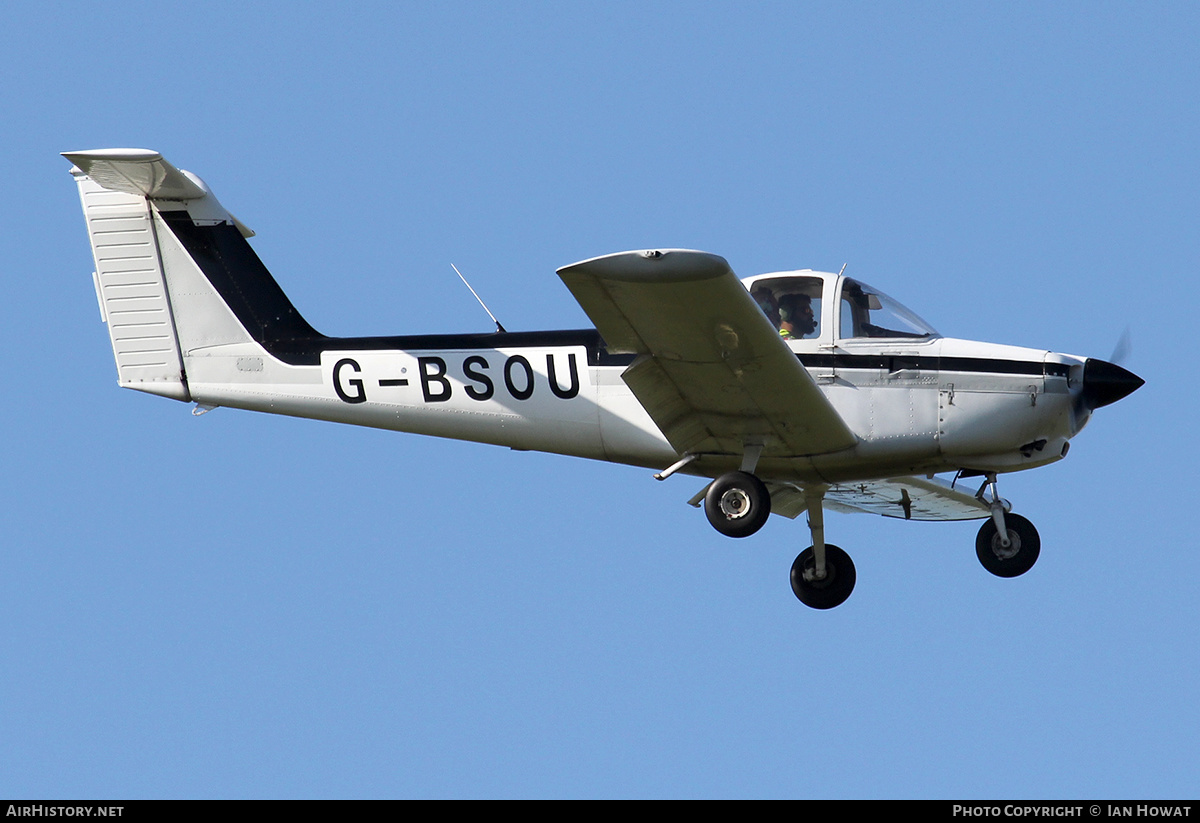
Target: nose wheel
1018,556
1007,545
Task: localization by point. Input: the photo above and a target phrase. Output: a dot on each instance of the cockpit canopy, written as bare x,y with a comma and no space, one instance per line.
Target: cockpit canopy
795,305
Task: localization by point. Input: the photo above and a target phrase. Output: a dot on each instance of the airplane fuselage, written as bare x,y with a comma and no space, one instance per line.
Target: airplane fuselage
930,406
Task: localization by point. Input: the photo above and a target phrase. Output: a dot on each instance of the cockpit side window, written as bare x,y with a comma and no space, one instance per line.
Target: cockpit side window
867,312
792,304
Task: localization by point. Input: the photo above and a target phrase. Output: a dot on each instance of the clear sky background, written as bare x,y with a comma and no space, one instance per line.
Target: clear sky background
240,605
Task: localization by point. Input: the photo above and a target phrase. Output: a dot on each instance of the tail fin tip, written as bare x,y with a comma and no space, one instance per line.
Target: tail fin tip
137,171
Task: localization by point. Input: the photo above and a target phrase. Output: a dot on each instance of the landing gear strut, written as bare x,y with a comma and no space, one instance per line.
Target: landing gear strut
823,575
1007,545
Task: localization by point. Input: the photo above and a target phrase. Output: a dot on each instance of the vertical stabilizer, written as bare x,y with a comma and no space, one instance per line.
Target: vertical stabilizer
132,289
176,280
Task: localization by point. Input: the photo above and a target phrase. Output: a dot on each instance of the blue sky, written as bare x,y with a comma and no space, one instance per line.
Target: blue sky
239,605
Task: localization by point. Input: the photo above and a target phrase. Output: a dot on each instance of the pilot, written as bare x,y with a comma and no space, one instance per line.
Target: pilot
796,316
765,298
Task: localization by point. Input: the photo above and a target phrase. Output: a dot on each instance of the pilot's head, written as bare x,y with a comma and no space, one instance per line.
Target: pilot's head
796,315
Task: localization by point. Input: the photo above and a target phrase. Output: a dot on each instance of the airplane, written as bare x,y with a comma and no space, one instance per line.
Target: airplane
788,392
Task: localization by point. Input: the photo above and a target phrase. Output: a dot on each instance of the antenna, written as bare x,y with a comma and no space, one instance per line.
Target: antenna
843,271
499,328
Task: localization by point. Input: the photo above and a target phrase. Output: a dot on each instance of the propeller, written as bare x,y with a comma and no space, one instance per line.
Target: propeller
1105,382
1123,350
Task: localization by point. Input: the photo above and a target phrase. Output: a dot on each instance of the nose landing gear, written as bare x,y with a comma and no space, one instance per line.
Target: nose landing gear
1018,556
1007,545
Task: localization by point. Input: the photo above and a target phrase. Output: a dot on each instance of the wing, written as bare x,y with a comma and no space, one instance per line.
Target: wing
711,371
909,498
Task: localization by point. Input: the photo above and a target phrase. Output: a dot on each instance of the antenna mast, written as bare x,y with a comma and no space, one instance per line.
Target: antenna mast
499,327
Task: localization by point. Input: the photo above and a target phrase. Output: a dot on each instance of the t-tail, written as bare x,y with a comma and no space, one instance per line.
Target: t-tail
174,274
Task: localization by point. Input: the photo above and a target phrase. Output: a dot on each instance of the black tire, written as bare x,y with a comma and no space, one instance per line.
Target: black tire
834,588
737,504
1019,557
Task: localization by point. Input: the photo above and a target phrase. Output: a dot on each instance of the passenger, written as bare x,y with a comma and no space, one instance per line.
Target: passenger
765,298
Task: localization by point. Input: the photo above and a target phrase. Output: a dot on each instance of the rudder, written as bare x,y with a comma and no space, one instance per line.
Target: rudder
174,276
131,287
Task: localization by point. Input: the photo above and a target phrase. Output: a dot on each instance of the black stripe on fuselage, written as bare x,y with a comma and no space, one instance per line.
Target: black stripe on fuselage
247,287
895,363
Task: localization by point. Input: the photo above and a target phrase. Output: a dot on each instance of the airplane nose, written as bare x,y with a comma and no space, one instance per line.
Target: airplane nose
1105,383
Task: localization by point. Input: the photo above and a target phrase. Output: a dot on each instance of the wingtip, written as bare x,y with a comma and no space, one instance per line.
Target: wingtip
143,155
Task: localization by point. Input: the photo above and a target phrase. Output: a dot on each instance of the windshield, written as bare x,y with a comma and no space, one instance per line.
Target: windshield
868,312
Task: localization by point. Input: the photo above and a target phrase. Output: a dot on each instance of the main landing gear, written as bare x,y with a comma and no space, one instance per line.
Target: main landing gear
830,590
822,575
737,504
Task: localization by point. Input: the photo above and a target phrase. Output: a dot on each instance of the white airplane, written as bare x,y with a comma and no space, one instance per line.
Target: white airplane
795,391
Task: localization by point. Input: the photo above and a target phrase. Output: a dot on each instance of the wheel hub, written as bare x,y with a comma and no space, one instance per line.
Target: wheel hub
1003,552
810,574
830,590
735,504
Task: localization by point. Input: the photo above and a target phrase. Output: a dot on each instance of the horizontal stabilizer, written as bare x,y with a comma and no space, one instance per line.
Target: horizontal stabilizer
137,171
